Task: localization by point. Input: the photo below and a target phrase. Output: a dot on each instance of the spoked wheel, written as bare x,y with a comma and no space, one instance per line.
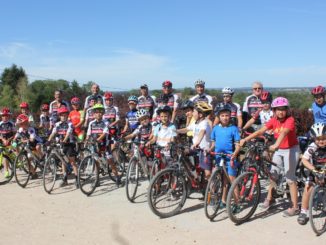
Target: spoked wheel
50,173
243,197
213,194
6,174
88,175
317,209
22,169
132,179
121,159
167,193
113,176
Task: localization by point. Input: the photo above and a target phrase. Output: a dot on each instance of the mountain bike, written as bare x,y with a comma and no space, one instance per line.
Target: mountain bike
6,172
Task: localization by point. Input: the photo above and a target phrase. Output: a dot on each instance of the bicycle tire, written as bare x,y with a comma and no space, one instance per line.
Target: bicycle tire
22,167
121,159
213,194
241,182
132,179
317,209
88,175
5,180
171,183
50,173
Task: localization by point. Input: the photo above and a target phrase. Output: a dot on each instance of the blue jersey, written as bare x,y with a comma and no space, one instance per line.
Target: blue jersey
132,119
319,112
225,137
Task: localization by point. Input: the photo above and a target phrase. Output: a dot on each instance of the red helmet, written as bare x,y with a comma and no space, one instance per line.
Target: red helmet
108,95
45,107
62,110
167,84
266,97
5,111
24,105
22,118
75,101
318,90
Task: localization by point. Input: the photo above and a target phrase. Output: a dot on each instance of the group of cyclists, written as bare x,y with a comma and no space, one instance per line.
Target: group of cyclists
210,127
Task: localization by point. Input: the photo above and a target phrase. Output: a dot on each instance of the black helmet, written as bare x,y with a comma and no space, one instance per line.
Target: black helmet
163,99
163,108
187,104
222,107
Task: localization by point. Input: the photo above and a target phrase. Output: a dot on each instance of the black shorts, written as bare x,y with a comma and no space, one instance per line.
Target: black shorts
69,149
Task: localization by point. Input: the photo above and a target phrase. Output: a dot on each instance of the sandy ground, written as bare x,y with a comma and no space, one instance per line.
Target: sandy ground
31,216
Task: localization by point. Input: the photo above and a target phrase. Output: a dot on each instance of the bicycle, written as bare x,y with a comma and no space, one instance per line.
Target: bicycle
214,190
8,155
317,202
121,154
244,194
169,188
91,167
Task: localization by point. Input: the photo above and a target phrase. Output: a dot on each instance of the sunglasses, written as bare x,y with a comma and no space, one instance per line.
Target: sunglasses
257,88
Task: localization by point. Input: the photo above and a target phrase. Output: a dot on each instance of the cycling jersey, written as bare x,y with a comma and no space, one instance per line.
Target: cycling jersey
251,105
97,128
61,129
143,132
29,133
53,109
315,154
147,103
235,111
132,119
7,129
172,101
164,134
45,124
265,116
89,115
111,114
75,117
99,97
202,98
319,112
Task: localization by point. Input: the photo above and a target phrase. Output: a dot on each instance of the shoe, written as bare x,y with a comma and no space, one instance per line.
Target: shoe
97,184
76,183
303,219
63,183
7,174
222,205
34,176
236,208
267,204
118,181
291,212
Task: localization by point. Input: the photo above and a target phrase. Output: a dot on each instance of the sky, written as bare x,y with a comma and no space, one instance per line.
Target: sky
122,44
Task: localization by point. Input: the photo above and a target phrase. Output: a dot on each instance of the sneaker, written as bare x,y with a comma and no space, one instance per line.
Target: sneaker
236,208
7,174
76,184
267,204
291,212
303,219
63,183
118,181
222,205
34,176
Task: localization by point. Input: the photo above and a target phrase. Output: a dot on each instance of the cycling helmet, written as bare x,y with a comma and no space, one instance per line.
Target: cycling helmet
108,95
199,83
75,101
167,84
222,107
133,98
317,130
203,107
187,104
92,97
22,118
45,107
318,90
24,105
62,110
5,111
280,102
98,106
228,90
141,113
266,97
164,108
144,86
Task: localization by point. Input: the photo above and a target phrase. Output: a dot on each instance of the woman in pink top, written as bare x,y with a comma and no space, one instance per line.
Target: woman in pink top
286,150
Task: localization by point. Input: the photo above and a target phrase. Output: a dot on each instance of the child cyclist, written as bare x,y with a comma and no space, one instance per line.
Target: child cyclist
98,131
24,109
286,150
225,138
131,119
45,122
63,131
319,105
76,117
201,135
315,154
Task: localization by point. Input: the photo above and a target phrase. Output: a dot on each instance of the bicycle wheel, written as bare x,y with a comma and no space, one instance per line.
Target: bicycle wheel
120,158
317,209
132,179
167,193
213,194
88,175
50,173
112,176
6,174
22,167
243,197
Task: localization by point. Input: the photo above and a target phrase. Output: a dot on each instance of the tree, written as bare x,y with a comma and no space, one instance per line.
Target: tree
12,77
6,97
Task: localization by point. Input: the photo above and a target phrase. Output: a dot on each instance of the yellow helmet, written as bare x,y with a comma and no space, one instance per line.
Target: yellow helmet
203,107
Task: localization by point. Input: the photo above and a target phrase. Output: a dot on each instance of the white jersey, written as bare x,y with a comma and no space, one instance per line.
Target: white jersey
203,97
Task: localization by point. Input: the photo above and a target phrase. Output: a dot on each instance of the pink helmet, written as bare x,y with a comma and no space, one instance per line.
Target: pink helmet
280,102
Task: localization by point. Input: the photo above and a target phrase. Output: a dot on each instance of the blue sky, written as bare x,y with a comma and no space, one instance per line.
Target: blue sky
121,44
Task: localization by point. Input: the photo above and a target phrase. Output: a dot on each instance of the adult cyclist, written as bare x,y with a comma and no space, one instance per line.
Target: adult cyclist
172,98
146,101
201,96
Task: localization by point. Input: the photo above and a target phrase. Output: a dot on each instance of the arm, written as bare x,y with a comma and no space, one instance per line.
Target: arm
248,124
200,137
182,130
307,164
216,121
253,135
174,113
280,138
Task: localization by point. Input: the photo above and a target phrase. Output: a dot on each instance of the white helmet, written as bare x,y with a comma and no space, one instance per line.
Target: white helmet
141,113
317,130
227,90
199,82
